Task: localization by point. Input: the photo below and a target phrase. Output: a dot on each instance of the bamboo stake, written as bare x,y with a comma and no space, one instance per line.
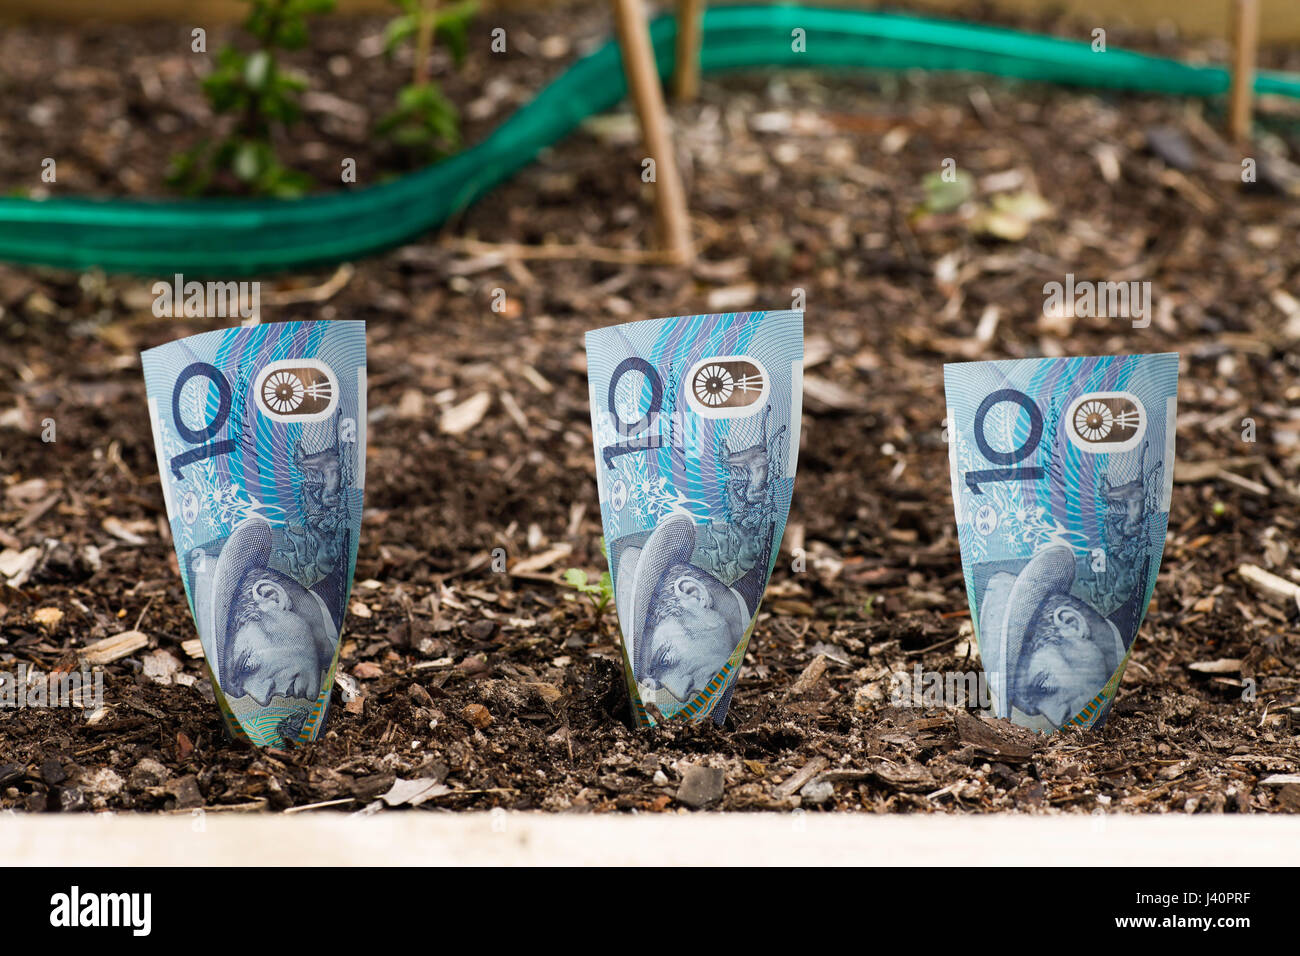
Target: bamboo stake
1245,39
643,83
686,73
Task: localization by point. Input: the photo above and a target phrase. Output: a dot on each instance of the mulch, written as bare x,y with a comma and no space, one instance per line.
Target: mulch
505,690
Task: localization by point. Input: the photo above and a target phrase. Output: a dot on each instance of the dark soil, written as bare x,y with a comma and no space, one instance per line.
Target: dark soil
503,687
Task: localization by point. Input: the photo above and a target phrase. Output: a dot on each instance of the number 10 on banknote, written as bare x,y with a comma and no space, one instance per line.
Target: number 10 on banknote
1062,471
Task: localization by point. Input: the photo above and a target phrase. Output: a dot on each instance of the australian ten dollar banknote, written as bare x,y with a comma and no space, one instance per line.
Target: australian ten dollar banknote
1062,471
696,428
261,435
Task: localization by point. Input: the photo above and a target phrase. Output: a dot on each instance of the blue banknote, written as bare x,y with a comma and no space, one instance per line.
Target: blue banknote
1062,471
261,440
696,428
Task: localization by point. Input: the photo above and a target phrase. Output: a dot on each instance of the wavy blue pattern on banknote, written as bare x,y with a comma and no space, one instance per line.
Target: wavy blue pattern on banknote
696,428
260,435
1062,472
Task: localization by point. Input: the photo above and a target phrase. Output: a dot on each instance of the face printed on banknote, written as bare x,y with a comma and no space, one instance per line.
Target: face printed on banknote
696,425
1062,472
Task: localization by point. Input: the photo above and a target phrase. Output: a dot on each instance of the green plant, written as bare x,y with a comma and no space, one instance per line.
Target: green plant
424,120
261,96
600,594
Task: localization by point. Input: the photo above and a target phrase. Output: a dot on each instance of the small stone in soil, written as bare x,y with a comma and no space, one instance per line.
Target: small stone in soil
52,771
147,773
817,791
547,693
103,781
186,791
477,715
700,786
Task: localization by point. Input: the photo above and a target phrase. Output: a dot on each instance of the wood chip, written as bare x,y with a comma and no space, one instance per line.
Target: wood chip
16,565
539,562
1269,585
547,693
791,785
536,379
1280,780
115,648
47,617
413,792
816,350
460,418
827,395
910,777
119,530
161,666
1195,472
811,675
37,511
1224,665
982,736
192,648
732,297
1244,484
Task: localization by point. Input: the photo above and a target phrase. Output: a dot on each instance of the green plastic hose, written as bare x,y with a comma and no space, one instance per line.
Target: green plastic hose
228,237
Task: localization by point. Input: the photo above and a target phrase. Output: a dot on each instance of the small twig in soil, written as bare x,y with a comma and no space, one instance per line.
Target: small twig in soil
791,784
934,647
316,293
320,806
143,611
553,251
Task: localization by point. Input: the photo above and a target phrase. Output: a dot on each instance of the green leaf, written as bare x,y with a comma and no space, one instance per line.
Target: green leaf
258,69
286,183
398,31
249,161
943,196
451,25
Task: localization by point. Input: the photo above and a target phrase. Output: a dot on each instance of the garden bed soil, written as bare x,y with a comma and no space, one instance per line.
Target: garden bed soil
506,690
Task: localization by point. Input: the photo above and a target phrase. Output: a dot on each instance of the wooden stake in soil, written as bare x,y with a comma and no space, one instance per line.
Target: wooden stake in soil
643,83
686,73
1245,39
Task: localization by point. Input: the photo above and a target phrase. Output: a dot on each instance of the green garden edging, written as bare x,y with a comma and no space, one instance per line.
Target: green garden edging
229,237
